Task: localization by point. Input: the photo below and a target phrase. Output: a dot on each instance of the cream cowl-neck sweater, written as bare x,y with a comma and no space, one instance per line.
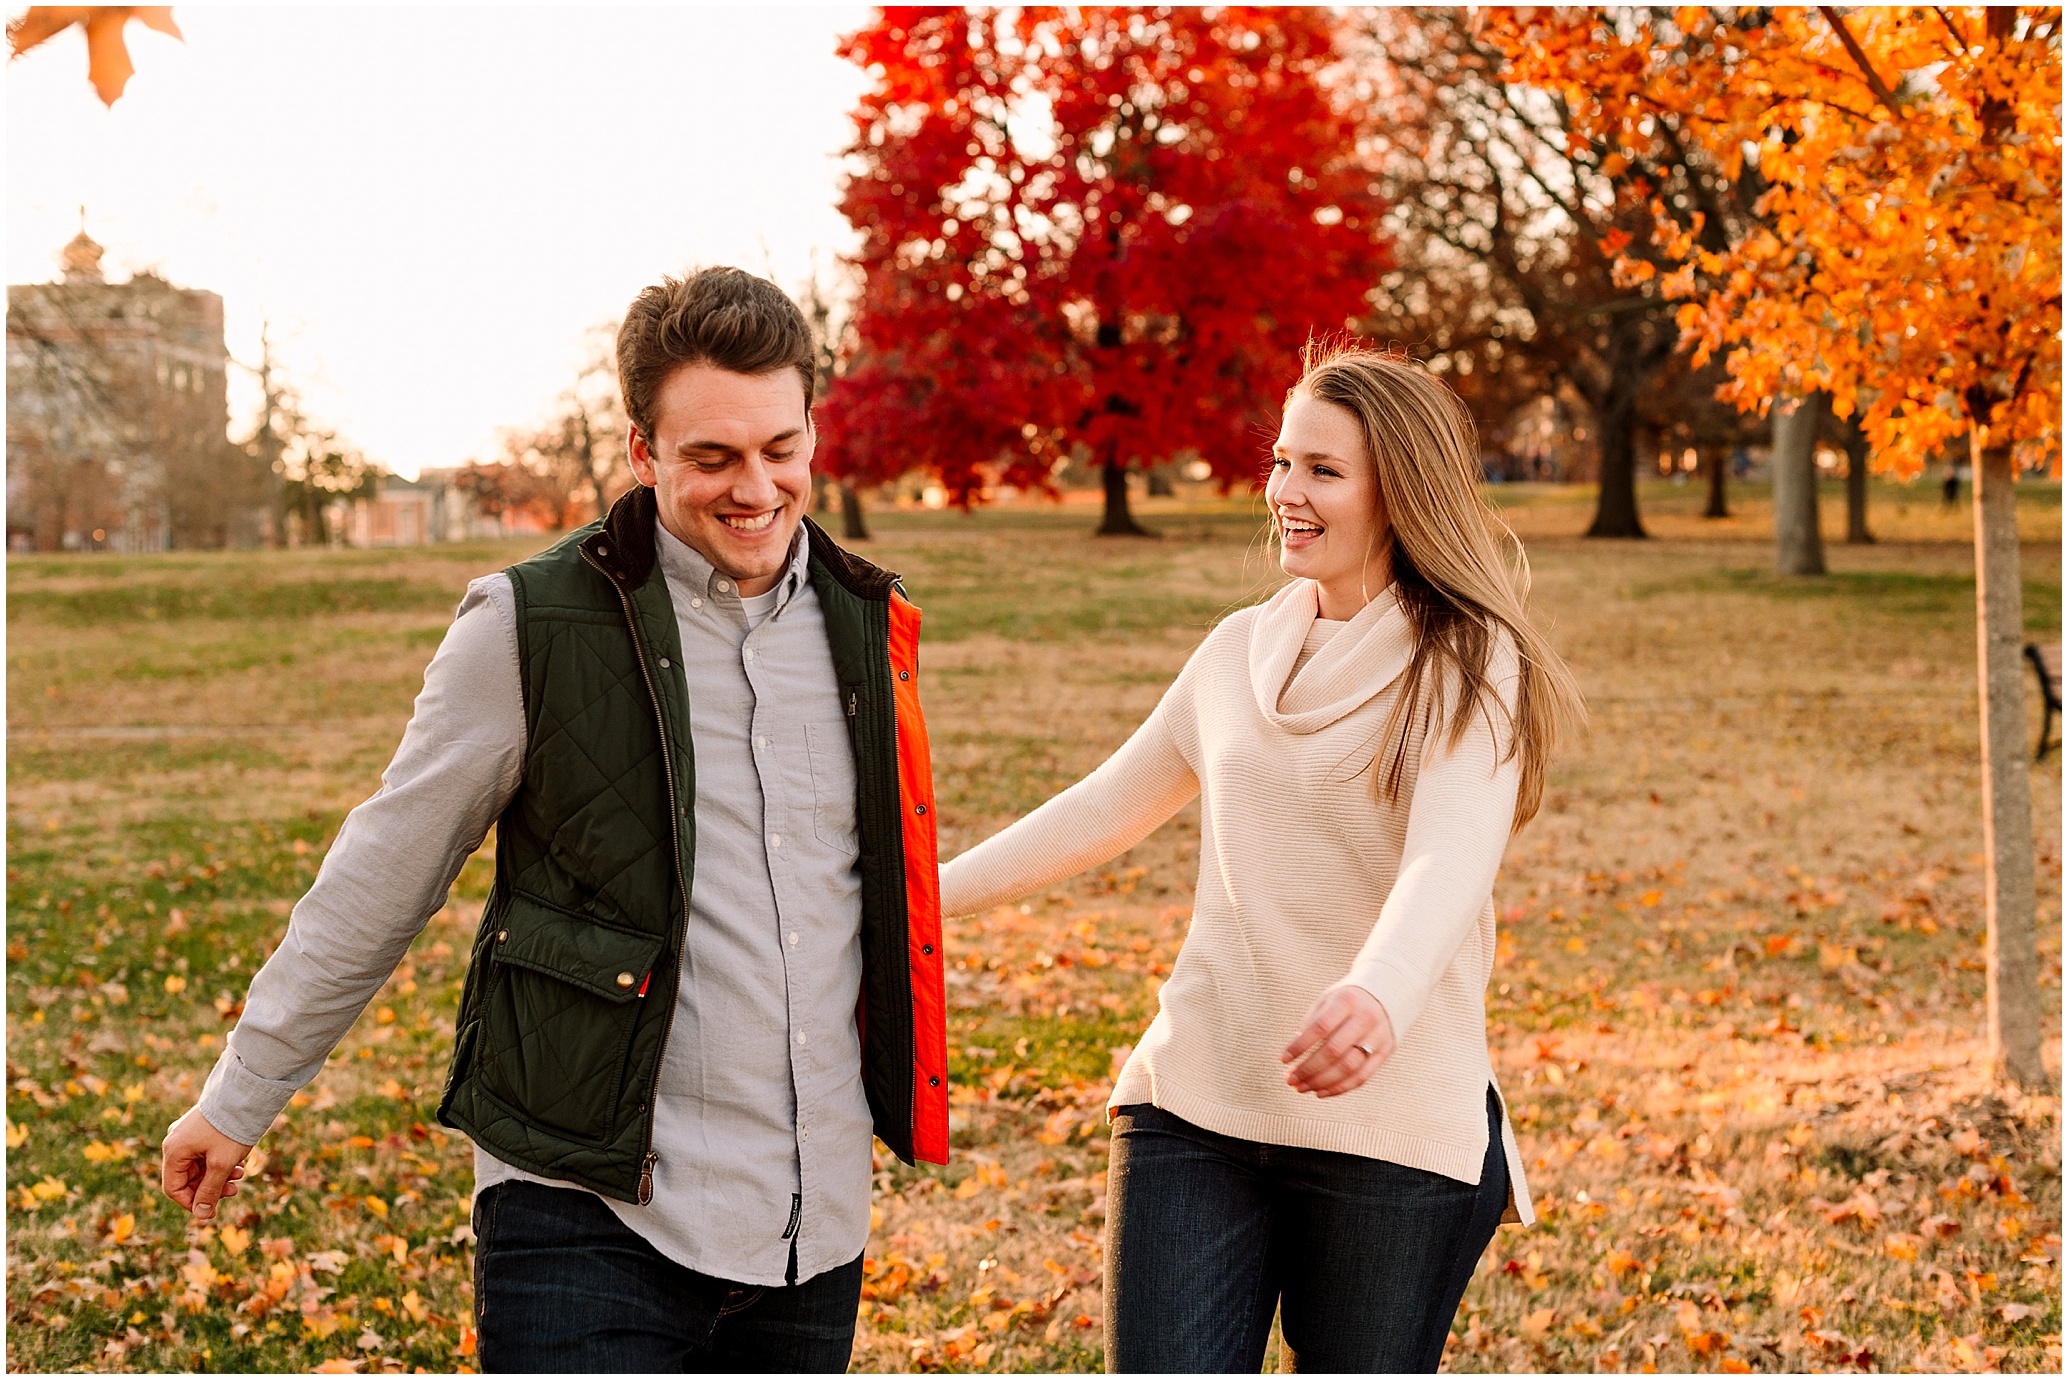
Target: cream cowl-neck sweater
1305,882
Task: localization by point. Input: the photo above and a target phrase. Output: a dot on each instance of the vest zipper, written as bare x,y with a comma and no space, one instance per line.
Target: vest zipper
650,1159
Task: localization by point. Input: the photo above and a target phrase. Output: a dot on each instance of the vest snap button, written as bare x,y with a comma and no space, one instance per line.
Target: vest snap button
904,675
626,979
919,809
603,551
933,1082
926,948
502,936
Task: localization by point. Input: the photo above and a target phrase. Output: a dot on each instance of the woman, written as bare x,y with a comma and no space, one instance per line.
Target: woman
1310,1124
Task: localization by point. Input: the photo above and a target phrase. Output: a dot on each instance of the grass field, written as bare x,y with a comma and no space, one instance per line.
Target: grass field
1738,1009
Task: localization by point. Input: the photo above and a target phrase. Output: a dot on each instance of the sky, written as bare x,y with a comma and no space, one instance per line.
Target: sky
429,208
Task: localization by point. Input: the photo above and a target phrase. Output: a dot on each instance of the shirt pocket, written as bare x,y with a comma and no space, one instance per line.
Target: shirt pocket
832,788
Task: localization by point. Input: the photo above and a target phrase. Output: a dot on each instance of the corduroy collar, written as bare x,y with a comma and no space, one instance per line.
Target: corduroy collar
623,549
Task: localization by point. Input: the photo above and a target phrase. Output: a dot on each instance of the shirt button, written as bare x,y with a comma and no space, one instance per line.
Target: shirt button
750,653
804,1137
664,663
723,586
793,939
802,1038
761,742
696,603
775,840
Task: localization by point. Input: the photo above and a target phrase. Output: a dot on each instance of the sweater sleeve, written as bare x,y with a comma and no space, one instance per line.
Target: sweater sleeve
460,761
1458,826
1139,787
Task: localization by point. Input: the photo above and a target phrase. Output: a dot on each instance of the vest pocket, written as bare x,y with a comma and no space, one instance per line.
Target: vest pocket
562,1002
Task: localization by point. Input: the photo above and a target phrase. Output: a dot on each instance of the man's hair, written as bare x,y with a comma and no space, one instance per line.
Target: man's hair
722,316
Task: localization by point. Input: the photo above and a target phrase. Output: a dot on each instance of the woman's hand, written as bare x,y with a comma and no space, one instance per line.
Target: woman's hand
1345,1038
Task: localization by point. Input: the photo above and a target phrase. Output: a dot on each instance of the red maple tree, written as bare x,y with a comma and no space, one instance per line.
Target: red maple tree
1098,231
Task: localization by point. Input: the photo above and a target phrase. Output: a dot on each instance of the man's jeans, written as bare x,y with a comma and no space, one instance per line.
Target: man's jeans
560,1284
1364,1261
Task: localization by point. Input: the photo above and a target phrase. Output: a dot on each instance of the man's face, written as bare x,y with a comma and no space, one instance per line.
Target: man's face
730,467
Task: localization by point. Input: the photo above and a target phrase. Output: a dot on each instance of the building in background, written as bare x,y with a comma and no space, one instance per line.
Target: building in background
118,417
433,507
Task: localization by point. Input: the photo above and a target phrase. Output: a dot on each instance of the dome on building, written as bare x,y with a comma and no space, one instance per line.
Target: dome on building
81,259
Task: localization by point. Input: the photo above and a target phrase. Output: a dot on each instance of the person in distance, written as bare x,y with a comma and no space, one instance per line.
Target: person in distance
710,965
1312,1116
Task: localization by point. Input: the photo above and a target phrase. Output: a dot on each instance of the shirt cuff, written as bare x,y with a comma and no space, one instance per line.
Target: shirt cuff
1394,988
241,1104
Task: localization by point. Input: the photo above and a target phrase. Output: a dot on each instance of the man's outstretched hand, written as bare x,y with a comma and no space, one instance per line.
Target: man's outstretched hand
202,1165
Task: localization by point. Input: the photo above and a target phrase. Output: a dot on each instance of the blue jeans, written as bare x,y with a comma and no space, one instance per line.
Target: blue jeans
1364,1261
561,1285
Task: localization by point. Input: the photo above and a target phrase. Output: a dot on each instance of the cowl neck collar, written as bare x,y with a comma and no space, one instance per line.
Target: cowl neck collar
1355,666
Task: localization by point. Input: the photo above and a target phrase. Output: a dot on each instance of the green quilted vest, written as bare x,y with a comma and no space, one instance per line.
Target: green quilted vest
571,989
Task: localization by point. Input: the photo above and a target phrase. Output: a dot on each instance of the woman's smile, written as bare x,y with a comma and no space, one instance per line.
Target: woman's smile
1296,534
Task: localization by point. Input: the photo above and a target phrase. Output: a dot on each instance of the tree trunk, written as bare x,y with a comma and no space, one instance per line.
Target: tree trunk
1718,507
1798,542
2009,889
1119,520
1615,509
853,526
1856,532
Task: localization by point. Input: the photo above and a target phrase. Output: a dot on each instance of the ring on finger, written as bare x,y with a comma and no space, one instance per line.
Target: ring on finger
1365,1050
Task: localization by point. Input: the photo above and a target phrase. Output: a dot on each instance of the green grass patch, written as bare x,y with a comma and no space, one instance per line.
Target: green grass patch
144,602
1885,593
95,759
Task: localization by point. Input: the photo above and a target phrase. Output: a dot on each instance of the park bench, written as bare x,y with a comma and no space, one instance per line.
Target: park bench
2046,662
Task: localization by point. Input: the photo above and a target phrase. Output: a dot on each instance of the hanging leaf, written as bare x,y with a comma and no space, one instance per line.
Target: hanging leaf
107,54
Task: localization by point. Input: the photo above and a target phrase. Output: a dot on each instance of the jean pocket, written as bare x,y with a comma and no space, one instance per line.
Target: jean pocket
832,788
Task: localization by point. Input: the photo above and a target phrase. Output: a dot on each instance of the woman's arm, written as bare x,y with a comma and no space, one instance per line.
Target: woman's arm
1457,829
1117,806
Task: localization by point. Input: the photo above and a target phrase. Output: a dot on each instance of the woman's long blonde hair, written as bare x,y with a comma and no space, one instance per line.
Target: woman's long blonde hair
1454,580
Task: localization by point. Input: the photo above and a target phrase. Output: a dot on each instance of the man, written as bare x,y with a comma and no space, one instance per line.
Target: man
710,963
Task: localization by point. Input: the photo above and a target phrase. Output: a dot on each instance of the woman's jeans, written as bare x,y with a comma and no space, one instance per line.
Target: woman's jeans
560,1284
1207,1235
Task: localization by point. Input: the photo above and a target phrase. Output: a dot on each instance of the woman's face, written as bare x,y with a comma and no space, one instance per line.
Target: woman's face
1324,498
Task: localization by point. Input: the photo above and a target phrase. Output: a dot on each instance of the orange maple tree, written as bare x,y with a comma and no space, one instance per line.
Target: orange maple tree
107,54
1904,255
